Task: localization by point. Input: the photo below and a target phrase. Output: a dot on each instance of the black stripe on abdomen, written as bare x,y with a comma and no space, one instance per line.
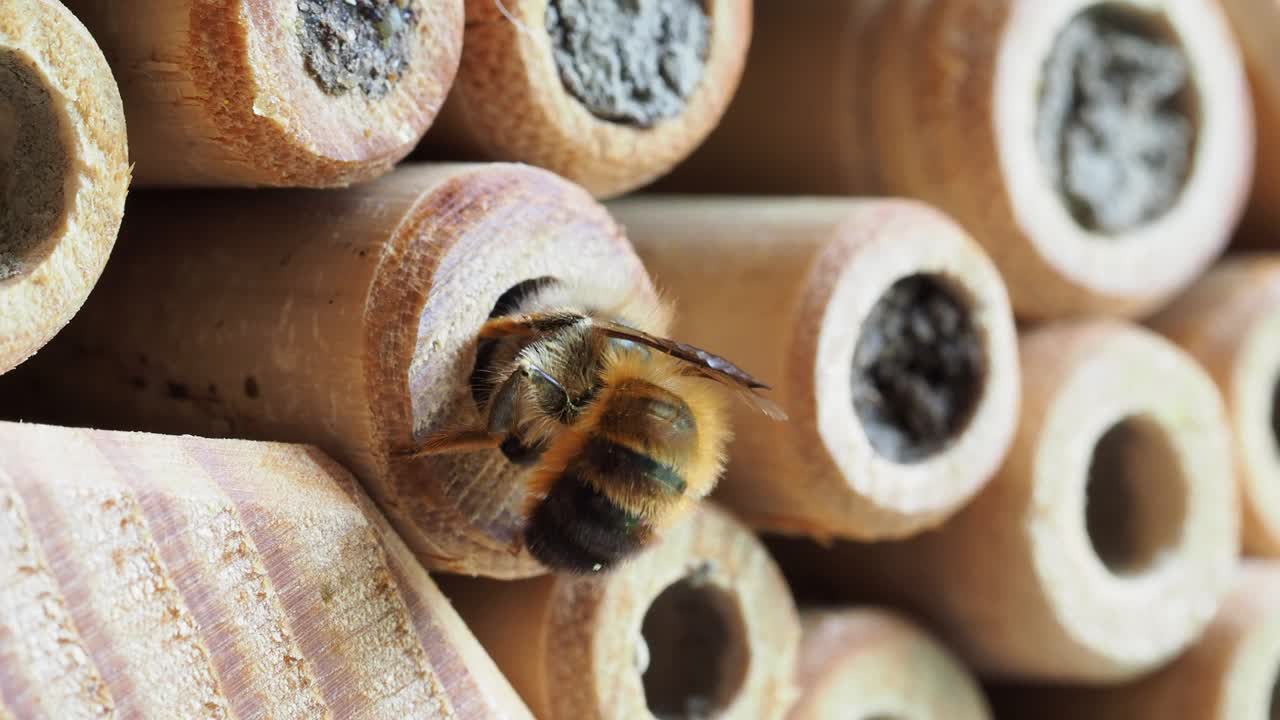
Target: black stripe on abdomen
640,473
578,529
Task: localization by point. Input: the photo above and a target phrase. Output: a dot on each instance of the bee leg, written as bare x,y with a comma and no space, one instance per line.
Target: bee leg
530,324
502,418
454,441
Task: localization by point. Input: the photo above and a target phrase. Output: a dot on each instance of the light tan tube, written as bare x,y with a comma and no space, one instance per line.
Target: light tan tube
699,624
510,101
942,100
1230,321
161,577
276,92
805,293
1229,674
344,319
1102,547
64,171
875,663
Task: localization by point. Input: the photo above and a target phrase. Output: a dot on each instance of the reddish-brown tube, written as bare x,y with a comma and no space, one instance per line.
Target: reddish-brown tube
1089,206
1102,548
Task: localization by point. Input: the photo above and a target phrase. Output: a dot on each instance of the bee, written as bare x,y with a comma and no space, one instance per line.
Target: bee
622,431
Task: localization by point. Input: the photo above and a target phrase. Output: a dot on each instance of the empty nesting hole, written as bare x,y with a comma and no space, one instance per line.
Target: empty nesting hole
697,653
521,297
918,369
34,163
1135,502
1117,117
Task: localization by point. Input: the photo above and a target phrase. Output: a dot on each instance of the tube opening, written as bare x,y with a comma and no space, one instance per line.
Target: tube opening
1275,412
364,44
34,162
918,369
1136,497
634,63
492,354
697,653
1118,117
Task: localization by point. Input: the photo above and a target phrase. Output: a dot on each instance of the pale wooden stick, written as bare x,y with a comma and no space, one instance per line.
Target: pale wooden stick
873,662
1230,673
700,623
795,290
941,100
1102,547
345,319
276,92
1230,321
163,576
510,102
64,171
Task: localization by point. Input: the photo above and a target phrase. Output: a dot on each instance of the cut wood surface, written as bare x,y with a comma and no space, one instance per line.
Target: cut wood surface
884,331
510,101
1100,182
276,92
173,576
872,662
1230,673
344,319
1103,546
64,171
702,625
1230,322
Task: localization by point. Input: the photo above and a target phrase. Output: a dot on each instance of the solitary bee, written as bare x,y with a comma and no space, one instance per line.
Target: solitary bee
623,431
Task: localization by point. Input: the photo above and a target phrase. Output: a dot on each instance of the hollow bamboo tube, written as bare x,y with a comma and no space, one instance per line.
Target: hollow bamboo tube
941,101
344,319
871,662
160,576
1256,24
1229,674
1104,544
276,92
1230,322
794,290
64,171
699,625
510,100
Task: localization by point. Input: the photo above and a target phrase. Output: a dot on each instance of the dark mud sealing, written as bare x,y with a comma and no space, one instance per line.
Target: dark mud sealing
34,162
634,62
348,44
1117,117
918,369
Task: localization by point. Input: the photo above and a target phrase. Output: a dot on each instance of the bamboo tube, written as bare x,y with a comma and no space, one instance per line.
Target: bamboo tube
1256,24
609,95
801,290
1230,322
1229,674
64,172
276,92
344,319
699,625
161,576
1102,547
1087,204
870,662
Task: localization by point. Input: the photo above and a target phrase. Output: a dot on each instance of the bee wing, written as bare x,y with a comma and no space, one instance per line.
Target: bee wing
701,362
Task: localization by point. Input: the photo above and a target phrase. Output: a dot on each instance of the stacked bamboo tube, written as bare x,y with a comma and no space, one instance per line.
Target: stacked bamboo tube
64,171
151,576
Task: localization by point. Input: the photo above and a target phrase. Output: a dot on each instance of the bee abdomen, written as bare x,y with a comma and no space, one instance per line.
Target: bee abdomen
630,471
578,528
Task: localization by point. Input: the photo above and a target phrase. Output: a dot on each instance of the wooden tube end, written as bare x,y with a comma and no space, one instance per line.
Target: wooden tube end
276,93
1230,321
701,624
870,662
168,576
837,304
64,172
538,83
1232,672
1116,498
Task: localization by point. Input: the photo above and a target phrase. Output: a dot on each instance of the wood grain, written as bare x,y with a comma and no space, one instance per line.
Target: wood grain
60,210
176,576
218,93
